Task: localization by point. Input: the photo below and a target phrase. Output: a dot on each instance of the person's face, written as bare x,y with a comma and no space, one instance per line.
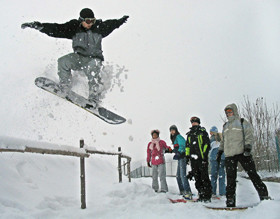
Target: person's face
229,112
87,25
155,135
172,132
195,123
211,133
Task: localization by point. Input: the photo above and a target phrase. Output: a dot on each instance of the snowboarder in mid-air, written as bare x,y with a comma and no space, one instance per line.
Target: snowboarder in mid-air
86,33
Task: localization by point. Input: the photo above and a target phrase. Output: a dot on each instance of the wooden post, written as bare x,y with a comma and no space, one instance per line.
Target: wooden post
128,170
124,167
120,164
83,182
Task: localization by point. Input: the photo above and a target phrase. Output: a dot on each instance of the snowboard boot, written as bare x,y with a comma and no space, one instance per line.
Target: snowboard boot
65,88
230,202
94,93
187,196
207,200
94,99
262,198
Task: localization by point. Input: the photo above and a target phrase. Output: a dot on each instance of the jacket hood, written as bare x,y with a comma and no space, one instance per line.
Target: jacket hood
234,109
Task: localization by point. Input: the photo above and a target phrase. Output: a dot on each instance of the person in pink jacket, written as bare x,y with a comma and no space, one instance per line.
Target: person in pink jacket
155,155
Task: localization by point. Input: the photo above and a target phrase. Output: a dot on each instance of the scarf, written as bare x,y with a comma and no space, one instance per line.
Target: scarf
155,143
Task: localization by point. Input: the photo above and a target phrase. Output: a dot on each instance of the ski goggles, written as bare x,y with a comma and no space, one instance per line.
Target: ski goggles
89,20
228,111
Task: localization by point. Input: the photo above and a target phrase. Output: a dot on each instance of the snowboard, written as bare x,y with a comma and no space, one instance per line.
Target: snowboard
237,208
91,107
181,200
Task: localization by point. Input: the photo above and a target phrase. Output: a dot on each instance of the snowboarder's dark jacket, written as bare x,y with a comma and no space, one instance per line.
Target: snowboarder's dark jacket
85,42
198,142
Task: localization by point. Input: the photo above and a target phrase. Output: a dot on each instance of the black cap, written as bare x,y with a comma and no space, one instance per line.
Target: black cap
195,119
86,13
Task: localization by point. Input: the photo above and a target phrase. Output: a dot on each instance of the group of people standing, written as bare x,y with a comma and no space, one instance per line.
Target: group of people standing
223,150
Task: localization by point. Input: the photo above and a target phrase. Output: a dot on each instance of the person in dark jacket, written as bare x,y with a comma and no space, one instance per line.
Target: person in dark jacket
197,149
179,144
86,34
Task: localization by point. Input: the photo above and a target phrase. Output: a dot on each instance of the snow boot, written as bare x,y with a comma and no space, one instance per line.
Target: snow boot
94,99
262,198
187,196
230,202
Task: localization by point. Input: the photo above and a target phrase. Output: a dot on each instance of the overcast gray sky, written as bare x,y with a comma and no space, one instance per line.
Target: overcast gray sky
183,58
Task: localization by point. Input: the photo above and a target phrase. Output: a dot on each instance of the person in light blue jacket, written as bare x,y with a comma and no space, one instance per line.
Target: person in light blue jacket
217,169
179,144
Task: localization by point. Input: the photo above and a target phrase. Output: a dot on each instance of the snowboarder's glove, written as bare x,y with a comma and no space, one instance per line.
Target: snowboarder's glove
149,165
36,25
187,159
190,175
247,150
123,19
219,155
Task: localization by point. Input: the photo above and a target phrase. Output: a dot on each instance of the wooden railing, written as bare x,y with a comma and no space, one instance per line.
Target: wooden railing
82,154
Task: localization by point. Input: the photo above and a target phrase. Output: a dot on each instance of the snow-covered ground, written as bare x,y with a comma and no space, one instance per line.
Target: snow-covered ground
48,186
167,50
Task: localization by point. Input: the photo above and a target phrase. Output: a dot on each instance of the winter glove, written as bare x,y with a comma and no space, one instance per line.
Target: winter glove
176,148
219,155
149,165
187,159
168,150
247,150
36,25
124,19
190,175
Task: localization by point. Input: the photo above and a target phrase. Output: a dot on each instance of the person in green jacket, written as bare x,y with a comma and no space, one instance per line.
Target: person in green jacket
197,149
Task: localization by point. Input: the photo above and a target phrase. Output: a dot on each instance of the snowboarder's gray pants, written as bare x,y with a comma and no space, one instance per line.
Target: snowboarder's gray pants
159,171
90,66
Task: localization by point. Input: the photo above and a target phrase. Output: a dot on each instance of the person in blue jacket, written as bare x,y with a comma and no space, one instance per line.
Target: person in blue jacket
217,169
179,144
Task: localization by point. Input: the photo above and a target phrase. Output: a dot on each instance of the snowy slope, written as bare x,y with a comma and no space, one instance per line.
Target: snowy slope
171,50
48,186
179,55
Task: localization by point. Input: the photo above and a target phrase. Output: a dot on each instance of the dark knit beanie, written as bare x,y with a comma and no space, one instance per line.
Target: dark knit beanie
86,13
